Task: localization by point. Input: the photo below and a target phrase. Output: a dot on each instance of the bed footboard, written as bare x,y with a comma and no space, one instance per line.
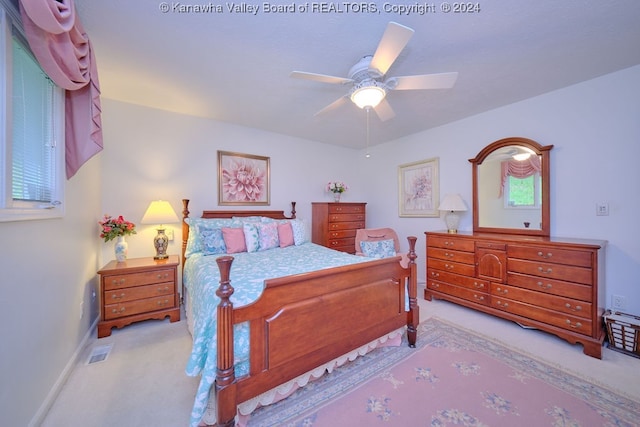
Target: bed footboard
305,320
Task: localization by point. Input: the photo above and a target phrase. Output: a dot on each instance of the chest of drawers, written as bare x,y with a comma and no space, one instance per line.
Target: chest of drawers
334,225
555,285
138,289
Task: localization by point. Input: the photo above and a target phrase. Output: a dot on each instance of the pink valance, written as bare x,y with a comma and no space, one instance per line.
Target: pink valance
518,169
64,52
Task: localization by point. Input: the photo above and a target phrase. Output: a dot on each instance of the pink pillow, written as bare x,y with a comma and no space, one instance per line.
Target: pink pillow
285,234
234,240
267,236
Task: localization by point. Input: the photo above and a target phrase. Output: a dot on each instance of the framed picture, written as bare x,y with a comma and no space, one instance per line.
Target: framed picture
243,179
418,191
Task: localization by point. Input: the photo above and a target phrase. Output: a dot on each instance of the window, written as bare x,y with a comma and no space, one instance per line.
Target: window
523,192
32,115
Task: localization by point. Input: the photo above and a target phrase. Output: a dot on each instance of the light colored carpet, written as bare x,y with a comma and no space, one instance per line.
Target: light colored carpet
142,382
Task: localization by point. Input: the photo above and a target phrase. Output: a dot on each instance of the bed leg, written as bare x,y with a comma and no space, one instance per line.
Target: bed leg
413,318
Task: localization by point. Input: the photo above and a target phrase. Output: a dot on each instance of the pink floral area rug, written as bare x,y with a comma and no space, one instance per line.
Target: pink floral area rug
453,378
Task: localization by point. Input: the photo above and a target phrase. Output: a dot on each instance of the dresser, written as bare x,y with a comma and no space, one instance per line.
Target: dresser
138,289
555,285
334,225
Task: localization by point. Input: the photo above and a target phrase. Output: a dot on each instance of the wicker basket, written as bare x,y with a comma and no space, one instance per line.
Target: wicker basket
623,330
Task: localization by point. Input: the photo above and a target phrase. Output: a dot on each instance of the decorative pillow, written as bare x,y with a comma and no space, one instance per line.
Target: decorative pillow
299,232
211,240
285,234
194,242
234,240
267,236
251,236
378,249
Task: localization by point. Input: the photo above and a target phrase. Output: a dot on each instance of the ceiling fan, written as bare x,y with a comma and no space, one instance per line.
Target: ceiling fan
369,86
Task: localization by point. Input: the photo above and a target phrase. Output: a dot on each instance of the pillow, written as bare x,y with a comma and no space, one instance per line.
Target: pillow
211,240
378,249
194,241
285,234
250,230
299,232
267,236
234,240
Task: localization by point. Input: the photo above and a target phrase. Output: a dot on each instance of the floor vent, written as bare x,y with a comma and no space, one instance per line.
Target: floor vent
99,354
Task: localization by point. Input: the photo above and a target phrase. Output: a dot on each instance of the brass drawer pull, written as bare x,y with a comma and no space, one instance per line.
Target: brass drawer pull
116,281
478,297
116,311
434,285
435,274
165,289
163,303
545,256
577,308
114,296
501,304
542,285
547,271
447,254
478,285
575,326
449,267
502,291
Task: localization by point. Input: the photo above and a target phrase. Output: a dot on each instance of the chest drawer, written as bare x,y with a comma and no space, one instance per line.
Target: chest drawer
114,311
551,255
138,292
451,243
354,225
551,286
346,217
344,208
552,271
464,293
451,267
136,279
552,302
451,255
458,280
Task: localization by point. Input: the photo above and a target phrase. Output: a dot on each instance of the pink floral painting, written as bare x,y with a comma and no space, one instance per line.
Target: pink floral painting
418,189
243,179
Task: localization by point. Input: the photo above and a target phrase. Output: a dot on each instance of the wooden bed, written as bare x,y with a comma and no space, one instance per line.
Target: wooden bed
343,308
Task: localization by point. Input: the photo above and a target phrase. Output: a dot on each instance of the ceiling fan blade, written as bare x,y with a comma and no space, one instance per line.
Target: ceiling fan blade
319,77
394,39
384,111
425,81
335,104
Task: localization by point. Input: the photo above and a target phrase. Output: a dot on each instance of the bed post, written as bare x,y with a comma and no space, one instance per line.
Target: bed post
413,317
226,407
185,238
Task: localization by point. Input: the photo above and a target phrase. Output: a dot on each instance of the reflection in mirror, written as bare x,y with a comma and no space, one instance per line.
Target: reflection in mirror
511,187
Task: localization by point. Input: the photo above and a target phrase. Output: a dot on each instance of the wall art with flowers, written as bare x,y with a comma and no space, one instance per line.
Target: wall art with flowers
418,189
243,179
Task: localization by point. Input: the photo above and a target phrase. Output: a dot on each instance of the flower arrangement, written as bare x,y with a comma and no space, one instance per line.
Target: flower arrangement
337,187
111,228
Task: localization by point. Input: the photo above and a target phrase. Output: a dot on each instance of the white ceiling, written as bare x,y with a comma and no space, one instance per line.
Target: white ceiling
234,67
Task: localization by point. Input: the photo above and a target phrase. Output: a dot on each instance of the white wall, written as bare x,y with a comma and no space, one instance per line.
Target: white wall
595,130
46,307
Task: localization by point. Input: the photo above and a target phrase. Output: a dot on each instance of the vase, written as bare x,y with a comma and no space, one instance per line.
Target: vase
121,248
336,197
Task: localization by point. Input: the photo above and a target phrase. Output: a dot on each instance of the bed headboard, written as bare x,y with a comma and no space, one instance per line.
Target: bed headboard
227,214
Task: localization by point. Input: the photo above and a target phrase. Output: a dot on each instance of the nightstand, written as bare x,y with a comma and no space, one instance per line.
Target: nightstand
138,289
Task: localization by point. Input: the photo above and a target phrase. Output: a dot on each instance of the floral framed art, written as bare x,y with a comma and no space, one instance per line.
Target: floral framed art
243,179
418,189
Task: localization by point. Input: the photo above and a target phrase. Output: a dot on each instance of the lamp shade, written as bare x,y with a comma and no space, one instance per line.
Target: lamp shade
452,202
159,212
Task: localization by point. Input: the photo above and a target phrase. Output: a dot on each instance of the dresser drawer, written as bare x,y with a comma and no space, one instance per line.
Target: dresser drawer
138,292
451,255
464,293
136,279
458,280
346,225
114,311
451,267
341,234
552,271
451,243
551,286
551,317
347,242
552,255
344,208
541,299
346,217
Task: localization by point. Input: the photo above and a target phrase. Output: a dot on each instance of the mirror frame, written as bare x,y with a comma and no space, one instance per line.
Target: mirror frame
543,152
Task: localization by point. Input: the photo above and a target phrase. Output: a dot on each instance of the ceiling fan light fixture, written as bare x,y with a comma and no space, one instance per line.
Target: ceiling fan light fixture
368,94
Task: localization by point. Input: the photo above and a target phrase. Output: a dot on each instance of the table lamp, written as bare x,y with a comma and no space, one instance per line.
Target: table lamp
160,212
452,203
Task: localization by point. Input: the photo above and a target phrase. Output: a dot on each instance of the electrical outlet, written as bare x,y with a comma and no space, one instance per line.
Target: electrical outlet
602,209
170,235
619,302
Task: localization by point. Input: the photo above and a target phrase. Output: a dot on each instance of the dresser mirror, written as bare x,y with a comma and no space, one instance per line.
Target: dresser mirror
511,188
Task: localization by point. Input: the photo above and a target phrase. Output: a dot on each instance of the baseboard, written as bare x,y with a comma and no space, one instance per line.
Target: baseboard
39,416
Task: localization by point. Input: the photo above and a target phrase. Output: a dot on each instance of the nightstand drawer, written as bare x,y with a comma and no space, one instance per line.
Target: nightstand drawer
136,279
138,292
114,311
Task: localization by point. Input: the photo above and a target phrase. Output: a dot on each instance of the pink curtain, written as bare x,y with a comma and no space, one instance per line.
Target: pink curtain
519,169
64,51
